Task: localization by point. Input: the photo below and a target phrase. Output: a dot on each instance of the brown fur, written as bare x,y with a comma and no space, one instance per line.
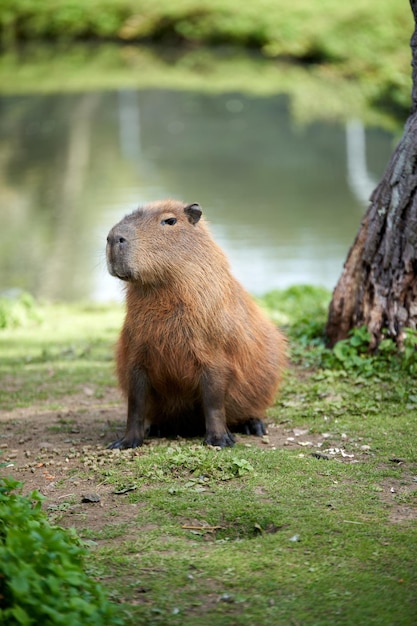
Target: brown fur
195,350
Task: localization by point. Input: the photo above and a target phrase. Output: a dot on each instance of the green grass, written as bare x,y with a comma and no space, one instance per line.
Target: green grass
249,535
360,50
57,350
346,551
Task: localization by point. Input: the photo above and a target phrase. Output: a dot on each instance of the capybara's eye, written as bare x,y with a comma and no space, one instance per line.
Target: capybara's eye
170,221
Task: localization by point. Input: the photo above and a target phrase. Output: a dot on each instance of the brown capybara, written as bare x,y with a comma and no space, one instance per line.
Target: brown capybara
196,354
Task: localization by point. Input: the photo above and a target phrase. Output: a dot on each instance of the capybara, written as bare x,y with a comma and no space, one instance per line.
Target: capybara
196,354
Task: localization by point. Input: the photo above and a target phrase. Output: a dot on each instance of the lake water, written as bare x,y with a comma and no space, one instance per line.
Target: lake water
285,201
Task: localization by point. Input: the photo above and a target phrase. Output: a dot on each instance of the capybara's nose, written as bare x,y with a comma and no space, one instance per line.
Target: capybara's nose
116,238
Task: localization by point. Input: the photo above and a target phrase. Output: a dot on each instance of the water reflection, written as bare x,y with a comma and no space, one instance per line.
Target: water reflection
284,201
361,181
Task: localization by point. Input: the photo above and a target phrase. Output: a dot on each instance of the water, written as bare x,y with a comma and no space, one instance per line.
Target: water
284,201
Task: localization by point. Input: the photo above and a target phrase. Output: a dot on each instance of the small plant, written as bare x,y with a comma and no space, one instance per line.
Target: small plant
202,462
42,575
354,356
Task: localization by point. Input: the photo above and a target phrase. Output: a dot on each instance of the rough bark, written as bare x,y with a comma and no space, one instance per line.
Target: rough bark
378,285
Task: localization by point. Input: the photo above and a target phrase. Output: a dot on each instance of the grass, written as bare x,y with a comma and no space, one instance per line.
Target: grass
56,350
316,532
297,539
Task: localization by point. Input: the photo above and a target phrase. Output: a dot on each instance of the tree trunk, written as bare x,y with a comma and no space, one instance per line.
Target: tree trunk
378,285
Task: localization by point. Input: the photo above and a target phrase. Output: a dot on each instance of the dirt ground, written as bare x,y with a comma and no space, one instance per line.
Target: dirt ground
49,450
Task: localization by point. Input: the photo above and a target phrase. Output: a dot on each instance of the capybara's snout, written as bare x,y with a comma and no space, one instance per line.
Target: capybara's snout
118,250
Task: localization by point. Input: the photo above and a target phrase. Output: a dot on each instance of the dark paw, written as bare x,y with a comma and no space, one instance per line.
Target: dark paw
125,442
220,441
155,430
254,426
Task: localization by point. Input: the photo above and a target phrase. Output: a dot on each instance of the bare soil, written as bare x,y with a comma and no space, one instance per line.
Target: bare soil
52,451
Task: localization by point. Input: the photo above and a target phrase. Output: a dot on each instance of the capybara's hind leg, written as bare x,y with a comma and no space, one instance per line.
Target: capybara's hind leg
254,426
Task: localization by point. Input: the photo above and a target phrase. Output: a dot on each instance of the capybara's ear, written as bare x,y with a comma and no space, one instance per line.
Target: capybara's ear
193,212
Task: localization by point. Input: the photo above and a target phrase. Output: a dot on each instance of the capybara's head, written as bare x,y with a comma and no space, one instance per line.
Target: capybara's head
153,242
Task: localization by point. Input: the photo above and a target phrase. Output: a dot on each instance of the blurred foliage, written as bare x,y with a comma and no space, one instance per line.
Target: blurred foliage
18,310
364,41
300,308
316,92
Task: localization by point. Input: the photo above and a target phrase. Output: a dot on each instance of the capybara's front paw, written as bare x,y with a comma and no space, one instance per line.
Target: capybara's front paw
125,442
220,441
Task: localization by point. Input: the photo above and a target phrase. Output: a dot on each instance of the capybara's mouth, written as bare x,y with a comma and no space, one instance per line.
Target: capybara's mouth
118,271
122,275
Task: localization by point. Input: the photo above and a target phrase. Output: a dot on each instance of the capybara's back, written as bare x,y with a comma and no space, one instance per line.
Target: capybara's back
195,352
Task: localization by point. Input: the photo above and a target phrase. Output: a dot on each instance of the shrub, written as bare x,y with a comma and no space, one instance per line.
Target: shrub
42,575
